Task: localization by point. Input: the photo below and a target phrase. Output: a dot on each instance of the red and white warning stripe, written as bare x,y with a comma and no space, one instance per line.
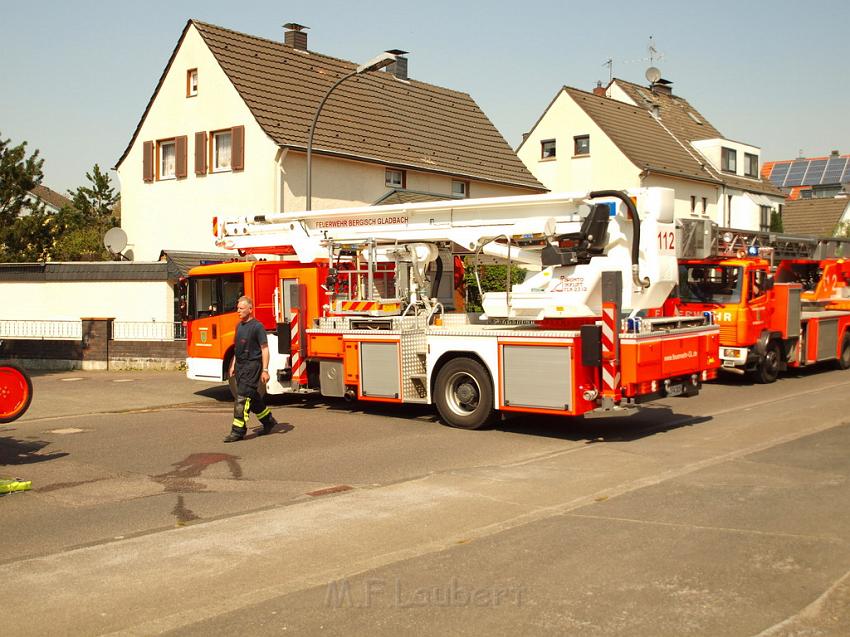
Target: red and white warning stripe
298,364
610,368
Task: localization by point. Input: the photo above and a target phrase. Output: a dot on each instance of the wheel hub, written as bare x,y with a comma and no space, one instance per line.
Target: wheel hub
466,393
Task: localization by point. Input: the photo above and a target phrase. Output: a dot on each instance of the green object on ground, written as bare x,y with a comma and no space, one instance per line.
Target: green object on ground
15,484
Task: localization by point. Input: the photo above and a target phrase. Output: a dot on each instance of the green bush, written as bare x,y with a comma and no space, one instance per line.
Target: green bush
493,279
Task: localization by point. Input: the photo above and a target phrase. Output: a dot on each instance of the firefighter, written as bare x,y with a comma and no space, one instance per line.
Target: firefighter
250,367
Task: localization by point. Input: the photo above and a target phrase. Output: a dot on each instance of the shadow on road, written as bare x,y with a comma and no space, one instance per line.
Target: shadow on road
16,452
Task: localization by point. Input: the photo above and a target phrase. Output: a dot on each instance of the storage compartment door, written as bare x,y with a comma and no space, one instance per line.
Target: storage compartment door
379,370
537,376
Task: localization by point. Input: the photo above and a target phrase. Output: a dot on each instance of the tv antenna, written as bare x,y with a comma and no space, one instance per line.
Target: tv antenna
610,64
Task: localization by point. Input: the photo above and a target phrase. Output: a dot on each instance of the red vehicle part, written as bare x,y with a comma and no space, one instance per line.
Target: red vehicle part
15,392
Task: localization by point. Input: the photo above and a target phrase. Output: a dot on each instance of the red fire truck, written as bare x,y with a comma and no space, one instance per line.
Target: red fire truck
358,312
778,301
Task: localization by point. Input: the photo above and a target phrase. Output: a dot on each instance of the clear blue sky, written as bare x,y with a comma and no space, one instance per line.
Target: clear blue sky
76,76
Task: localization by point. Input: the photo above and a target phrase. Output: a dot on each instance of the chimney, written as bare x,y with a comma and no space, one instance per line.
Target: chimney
834,153
399,67
295,36
599,90
662,87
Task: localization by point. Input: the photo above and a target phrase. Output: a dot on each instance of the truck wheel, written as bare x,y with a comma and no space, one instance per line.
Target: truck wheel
464,394
768,370
844,358
15,392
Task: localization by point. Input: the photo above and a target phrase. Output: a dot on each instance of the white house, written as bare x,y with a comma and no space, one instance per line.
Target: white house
225,133
628,136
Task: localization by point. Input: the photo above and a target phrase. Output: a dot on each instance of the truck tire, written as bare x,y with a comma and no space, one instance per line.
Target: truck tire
15,392
464,394
843,361
768,369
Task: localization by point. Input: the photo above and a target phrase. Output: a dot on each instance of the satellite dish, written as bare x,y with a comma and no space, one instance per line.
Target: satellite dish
115,240
653,74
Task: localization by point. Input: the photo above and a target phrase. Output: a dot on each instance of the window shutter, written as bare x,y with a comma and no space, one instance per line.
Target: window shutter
201,153
147,161
180,152
237,148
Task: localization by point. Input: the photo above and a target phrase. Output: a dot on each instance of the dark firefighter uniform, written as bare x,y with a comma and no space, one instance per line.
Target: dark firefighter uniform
250,337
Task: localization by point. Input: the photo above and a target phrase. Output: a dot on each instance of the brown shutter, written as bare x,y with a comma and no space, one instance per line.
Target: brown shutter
147,161
237,148
180,152
201,153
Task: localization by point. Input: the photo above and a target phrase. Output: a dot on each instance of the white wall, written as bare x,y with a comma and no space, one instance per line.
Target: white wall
71,300
711,150
177,213
604,167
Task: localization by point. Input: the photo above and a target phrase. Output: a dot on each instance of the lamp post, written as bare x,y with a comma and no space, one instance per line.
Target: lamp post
376,63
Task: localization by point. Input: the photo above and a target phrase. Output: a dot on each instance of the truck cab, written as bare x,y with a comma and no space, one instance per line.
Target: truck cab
738,292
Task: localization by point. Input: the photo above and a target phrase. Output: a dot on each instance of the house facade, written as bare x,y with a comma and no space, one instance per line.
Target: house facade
628,136
225,133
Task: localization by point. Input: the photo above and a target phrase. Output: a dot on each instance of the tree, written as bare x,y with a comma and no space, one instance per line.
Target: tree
78,230
19,174
776,221
493,279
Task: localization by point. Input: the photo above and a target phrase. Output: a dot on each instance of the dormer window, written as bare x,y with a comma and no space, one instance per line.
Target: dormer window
191,82
751,165
728,160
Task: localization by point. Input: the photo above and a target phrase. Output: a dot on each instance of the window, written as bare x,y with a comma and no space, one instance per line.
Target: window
764,218
221,155
693,203
166,151
759,284
581,145
214,295
751,165
460,188
395,178
727,214
704,205
728,160
191,82
547,149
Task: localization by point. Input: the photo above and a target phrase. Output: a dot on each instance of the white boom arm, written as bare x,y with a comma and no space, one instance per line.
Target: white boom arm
548,291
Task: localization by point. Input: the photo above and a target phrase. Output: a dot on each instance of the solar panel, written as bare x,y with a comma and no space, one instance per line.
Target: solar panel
778,172
834,169
815,172
795,174
846,178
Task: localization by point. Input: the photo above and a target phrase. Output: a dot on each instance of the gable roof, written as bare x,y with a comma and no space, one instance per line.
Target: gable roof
653,144
818,217
374,117
50,197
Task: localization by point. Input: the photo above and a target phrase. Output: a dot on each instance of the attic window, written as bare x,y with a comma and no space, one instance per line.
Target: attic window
394,178
581,145
695,118
460,188
191,82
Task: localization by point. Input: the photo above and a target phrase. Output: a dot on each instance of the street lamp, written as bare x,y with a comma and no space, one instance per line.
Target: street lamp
376,63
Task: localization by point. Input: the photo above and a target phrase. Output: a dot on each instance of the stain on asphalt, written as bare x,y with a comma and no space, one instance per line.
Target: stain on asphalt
182,479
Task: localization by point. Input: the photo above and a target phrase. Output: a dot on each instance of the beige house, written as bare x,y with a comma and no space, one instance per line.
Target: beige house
628,136
225,133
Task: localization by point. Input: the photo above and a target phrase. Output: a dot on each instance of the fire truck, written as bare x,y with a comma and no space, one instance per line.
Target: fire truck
780,301
359,315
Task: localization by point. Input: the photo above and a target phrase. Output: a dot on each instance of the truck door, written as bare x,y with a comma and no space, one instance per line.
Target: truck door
291,323
757,304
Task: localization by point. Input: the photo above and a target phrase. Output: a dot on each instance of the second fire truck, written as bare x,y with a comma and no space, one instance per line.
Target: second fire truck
781,302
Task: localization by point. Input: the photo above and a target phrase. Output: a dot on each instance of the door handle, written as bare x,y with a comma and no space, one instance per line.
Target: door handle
215,331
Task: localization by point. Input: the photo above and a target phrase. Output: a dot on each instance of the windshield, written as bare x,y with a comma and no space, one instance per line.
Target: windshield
699,283
214,295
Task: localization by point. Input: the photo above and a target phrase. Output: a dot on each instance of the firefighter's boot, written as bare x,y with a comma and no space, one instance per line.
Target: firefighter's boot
236,434
268,423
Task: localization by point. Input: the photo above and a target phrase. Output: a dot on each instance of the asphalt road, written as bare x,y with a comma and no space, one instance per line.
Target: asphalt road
724,514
